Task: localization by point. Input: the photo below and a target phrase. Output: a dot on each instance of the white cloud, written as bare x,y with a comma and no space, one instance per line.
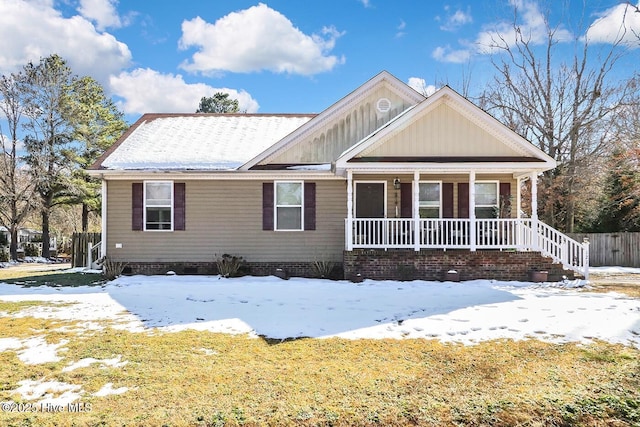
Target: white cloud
420,85
400,28
31,30
148,91
447,54
6,141
102,12
258,38
457,19
365,3
619,23
532,27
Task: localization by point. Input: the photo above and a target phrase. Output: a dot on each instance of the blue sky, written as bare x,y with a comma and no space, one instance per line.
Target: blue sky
279,56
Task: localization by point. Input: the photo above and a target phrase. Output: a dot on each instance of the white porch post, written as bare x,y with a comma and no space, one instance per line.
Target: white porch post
518,198
534,196
534,210
472,210
349,224
416,211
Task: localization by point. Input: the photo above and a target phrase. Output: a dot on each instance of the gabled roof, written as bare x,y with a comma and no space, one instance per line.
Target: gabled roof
197,141
524,151
336,111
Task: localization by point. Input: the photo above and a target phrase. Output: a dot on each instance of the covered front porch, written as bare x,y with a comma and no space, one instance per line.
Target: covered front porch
424,210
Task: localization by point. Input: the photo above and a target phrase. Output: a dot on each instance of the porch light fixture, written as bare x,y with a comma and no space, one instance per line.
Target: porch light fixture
396,183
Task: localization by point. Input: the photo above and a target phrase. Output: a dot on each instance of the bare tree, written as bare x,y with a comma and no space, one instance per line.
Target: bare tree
563,104
16,192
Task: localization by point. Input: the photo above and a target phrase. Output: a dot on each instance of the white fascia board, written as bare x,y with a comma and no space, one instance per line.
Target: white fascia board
208,175
446,168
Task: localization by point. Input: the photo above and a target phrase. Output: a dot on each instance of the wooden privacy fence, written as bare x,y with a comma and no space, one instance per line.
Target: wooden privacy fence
613,249
79,247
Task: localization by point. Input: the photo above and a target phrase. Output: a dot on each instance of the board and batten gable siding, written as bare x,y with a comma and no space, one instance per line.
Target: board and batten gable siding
327,143
225,217
504,179
442,131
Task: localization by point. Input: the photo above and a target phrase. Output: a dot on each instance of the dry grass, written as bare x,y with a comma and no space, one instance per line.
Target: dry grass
628,284
246,381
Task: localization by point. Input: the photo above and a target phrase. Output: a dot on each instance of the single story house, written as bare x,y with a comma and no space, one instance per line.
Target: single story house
385,183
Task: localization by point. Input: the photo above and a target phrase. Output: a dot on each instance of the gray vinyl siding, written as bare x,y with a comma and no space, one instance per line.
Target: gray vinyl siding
226,217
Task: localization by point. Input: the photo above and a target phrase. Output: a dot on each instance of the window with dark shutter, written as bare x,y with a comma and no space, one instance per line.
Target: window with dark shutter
267,206
406,200
505,200
463,200
447,200
179,201
137,206
309,205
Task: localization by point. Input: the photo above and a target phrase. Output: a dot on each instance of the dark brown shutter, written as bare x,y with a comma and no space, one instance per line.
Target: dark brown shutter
179,205
267,205
406,200
463,200
505,200
309,205
447,199
137,206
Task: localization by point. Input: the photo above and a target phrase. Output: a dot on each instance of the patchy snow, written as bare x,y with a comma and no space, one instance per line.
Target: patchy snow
318,167
108,389
466,312
48,392
36,350
115,362
201,141
615,270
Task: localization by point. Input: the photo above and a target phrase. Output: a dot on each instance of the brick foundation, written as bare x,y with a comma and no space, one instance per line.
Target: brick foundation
298,269
402,264
392,264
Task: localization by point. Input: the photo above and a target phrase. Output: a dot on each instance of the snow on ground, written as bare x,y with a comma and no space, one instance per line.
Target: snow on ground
614,270
466,312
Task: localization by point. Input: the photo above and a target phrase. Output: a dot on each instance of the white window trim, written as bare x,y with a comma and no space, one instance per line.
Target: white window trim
144,205
355,194
497,185
440,193
275,205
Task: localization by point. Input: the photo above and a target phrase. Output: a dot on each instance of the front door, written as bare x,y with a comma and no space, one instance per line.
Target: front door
370,200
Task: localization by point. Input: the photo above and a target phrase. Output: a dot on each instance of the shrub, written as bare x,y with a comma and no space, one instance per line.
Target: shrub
322,269
112,269
229,265
31,250
4,255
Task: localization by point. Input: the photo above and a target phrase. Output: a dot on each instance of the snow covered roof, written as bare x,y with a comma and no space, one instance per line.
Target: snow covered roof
197,141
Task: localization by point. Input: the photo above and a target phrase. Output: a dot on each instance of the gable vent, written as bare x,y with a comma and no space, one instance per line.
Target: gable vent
383,105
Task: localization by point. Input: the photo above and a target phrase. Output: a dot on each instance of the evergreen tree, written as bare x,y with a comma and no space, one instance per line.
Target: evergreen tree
218,103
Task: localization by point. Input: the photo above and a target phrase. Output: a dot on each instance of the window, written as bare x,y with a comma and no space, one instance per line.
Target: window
429,201
289,205
158,205
486,199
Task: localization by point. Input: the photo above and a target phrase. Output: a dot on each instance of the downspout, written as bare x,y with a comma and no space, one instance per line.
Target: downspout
103,241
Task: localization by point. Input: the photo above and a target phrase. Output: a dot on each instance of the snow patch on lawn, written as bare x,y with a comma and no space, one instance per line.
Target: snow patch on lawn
108,389
34,351
48,392
115,362
465,312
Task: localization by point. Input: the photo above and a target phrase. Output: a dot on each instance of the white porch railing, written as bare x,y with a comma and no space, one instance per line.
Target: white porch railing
94,253
516,234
